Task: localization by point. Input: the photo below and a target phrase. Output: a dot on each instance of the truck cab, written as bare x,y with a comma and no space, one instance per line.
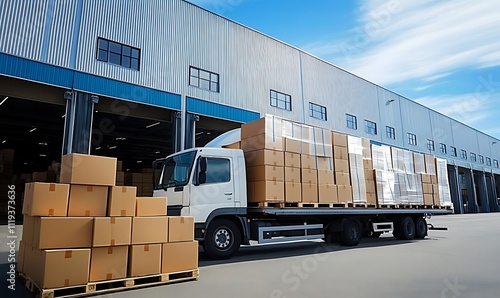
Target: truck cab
210,185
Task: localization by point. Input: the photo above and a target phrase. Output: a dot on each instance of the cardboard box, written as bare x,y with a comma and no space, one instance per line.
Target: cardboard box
426,178
293,192
436,198
112,231
264,157
434,179
63,232
28,229
259,142
180,228
119,166
147,230
121,201
342,178
308,161
134,178
292,160
369,175
108,263
87,200
430,164
341,165
327,193
88,169
339,139
325,177
340,153
147,178
309,176
309,193
151,206
428,199
427,188
57,268
268,125
371,198
370,187
179,257
20,258
235,145
39,177
367,164
120,178
419,163
46,199
144,260
266,173
324,163
344,193
292,174
293,145
267,191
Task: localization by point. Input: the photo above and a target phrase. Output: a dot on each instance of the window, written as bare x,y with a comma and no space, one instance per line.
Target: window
453,151
390,132
370,127
442,148
217,170
473,157
203,79
117,53
481,159
412,139
281,100
495,163
463,154
430,145
488,161
351,121
317,111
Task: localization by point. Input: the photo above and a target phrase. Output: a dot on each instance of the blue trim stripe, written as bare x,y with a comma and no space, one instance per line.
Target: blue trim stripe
62,77
207,108
108,87
35,71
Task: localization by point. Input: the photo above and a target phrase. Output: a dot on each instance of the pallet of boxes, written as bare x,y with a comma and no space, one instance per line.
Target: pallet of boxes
295,165
86,236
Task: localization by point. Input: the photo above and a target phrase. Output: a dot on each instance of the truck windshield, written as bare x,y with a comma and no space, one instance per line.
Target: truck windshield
176,170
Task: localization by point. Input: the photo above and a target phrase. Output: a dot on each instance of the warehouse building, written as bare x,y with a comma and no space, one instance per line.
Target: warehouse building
138,80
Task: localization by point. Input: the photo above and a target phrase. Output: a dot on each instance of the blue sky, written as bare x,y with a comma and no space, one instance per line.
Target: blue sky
443,54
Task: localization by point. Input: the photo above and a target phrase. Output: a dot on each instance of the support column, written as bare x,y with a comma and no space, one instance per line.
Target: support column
176,131
495,206
483,194
456,190
78,122
471,193
190,134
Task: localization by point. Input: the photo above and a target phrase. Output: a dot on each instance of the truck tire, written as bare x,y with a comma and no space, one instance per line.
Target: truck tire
420,227
404,228
351,233
222,240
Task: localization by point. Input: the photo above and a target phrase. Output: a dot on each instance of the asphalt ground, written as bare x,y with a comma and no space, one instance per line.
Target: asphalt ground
461,262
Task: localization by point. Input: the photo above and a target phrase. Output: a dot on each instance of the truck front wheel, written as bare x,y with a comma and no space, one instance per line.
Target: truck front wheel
222,240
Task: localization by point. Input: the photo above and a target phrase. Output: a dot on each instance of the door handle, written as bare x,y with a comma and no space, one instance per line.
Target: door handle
228,193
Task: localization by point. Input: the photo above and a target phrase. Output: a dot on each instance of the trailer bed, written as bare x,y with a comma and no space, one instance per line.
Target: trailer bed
343,211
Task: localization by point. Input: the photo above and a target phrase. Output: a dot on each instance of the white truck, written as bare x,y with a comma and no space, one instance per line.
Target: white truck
210,184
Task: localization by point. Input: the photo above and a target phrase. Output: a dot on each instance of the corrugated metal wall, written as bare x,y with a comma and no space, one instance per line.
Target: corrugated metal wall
174,35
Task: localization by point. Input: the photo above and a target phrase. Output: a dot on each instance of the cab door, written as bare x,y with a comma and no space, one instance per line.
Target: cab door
212,187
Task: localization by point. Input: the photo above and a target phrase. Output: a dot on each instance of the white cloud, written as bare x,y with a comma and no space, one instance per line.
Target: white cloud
404,40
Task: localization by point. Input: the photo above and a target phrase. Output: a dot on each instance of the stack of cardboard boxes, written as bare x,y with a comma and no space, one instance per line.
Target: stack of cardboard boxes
361,170
85,229
425,166
341,167
143,181
443,184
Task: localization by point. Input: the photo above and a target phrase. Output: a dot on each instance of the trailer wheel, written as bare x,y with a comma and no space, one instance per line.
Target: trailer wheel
351,233
420,227
222,240
404,228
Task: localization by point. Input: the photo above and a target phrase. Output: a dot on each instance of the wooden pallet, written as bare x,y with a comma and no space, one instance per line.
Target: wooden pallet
274,204
361,205
102,287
